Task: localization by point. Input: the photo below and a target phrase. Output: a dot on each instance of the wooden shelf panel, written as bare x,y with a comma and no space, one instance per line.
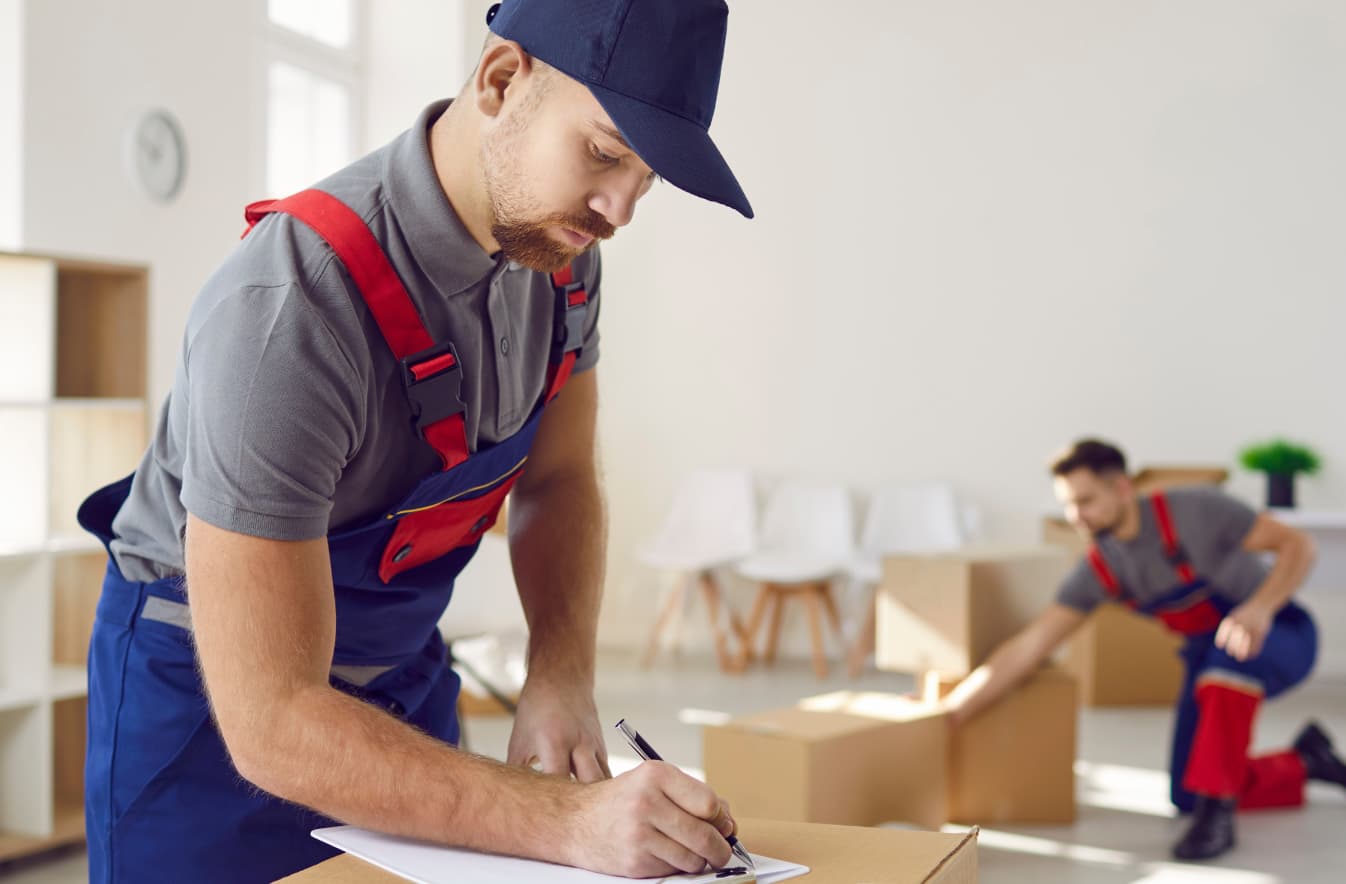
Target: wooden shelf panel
68,829
68,682
13,698
101,325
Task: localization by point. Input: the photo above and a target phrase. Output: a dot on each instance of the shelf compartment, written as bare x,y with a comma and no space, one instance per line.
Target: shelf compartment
90,447
101,326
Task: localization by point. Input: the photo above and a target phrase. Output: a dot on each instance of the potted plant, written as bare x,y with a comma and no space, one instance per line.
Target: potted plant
1281,461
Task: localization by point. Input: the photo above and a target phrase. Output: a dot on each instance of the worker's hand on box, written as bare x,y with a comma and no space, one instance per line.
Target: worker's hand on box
652,820
556,730
1243,630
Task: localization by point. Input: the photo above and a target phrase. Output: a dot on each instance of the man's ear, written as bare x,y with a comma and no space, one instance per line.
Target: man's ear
1125,487
501,65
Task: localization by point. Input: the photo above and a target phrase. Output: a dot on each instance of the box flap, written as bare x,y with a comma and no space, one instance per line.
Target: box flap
1155,477
802,724
871,704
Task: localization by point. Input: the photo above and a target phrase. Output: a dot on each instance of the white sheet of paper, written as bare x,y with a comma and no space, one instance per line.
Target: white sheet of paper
432,864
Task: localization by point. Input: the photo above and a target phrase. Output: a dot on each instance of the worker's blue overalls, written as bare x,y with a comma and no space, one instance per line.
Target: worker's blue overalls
162,800
1221,695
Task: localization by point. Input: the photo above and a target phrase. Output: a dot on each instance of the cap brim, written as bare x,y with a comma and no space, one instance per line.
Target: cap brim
676,148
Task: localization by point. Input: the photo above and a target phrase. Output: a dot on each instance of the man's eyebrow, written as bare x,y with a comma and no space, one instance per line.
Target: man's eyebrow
611,133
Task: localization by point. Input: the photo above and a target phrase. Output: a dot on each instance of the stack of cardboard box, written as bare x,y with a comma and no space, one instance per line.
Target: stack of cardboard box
866,758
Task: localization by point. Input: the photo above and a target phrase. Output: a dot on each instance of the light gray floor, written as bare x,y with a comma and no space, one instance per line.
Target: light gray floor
1125,825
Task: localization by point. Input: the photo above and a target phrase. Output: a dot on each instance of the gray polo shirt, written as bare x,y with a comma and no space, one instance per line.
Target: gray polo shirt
1210,525
287,417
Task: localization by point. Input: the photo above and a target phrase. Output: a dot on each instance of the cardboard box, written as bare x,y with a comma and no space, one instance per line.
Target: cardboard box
1123,659
948,612
834,855
1015,762
474,705
1149,479
821,766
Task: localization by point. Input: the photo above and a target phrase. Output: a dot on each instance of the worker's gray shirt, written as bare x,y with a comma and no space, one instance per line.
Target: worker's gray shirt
287,418
1211,527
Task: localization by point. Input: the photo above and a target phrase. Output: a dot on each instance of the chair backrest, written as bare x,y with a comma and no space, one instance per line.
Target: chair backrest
713,517
912,518
809,516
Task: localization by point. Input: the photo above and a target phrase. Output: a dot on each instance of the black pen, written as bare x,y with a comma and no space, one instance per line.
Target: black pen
646,751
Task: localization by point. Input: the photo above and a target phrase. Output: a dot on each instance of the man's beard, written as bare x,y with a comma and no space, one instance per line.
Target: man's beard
531,243
523,235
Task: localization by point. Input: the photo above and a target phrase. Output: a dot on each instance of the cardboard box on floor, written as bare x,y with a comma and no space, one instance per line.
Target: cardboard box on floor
830,766
1015,762
834,855
868,758
948,612
1121,658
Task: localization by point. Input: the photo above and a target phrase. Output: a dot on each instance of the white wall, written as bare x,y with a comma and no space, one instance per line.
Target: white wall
984,229
11,117
415,57
91,68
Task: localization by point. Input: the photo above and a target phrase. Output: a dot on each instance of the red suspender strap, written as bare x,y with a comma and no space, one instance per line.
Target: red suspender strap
572,309
1176,554
1104,572
430,373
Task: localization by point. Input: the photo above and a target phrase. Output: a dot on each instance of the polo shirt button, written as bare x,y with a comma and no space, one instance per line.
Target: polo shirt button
480,526
504,346
402,553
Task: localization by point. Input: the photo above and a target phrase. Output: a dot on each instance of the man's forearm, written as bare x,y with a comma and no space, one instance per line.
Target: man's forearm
1287,574
355,763
992,680
558,540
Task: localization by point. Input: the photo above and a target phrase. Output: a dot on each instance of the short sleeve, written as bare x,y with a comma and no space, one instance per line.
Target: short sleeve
277,411
1082,590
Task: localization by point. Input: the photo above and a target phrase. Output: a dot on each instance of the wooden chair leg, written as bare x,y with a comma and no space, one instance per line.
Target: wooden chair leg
813,598
773,634
710,591
864,639
671,604
833,615
748,651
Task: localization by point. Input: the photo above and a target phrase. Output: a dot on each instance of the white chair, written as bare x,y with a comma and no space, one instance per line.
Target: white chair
903,518
807,541
711,524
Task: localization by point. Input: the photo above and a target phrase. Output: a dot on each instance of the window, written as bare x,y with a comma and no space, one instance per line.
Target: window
313,86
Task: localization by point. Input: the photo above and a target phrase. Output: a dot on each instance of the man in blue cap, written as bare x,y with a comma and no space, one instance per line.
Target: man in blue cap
383,359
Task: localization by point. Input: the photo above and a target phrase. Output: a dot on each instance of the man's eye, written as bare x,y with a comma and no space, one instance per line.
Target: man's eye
600,156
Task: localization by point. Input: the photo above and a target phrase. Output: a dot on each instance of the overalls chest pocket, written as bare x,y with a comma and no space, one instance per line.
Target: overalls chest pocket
423,535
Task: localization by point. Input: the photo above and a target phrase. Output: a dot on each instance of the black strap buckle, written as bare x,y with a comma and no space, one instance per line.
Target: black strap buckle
568,326
1177,556
438,394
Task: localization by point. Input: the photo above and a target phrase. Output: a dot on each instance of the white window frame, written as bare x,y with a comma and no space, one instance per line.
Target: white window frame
345,66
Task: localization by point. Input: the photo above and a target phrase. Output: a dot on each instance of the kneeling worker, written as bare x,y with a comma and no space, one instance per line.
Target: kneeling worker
1189,557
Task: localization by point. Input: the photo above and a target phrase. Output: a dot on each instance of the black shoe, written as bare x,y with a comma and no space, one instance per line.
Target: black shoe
1212,830
1320,762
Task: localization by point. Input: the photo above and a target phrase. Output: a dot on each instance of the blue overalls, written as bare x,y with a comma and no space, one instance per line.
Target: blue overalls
162,800
1220,695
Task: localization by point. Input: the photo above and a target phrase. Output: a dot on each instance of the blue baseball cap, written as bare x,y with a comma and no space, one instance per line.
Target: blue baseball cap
654,66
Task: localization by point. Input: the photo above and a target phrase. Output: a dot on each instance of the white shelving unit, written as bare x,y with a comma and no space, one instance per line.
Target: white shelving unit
73,417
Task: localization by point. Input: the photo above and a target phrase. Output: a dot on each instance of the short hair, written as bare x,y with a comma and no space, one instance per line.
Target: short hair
1095,455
